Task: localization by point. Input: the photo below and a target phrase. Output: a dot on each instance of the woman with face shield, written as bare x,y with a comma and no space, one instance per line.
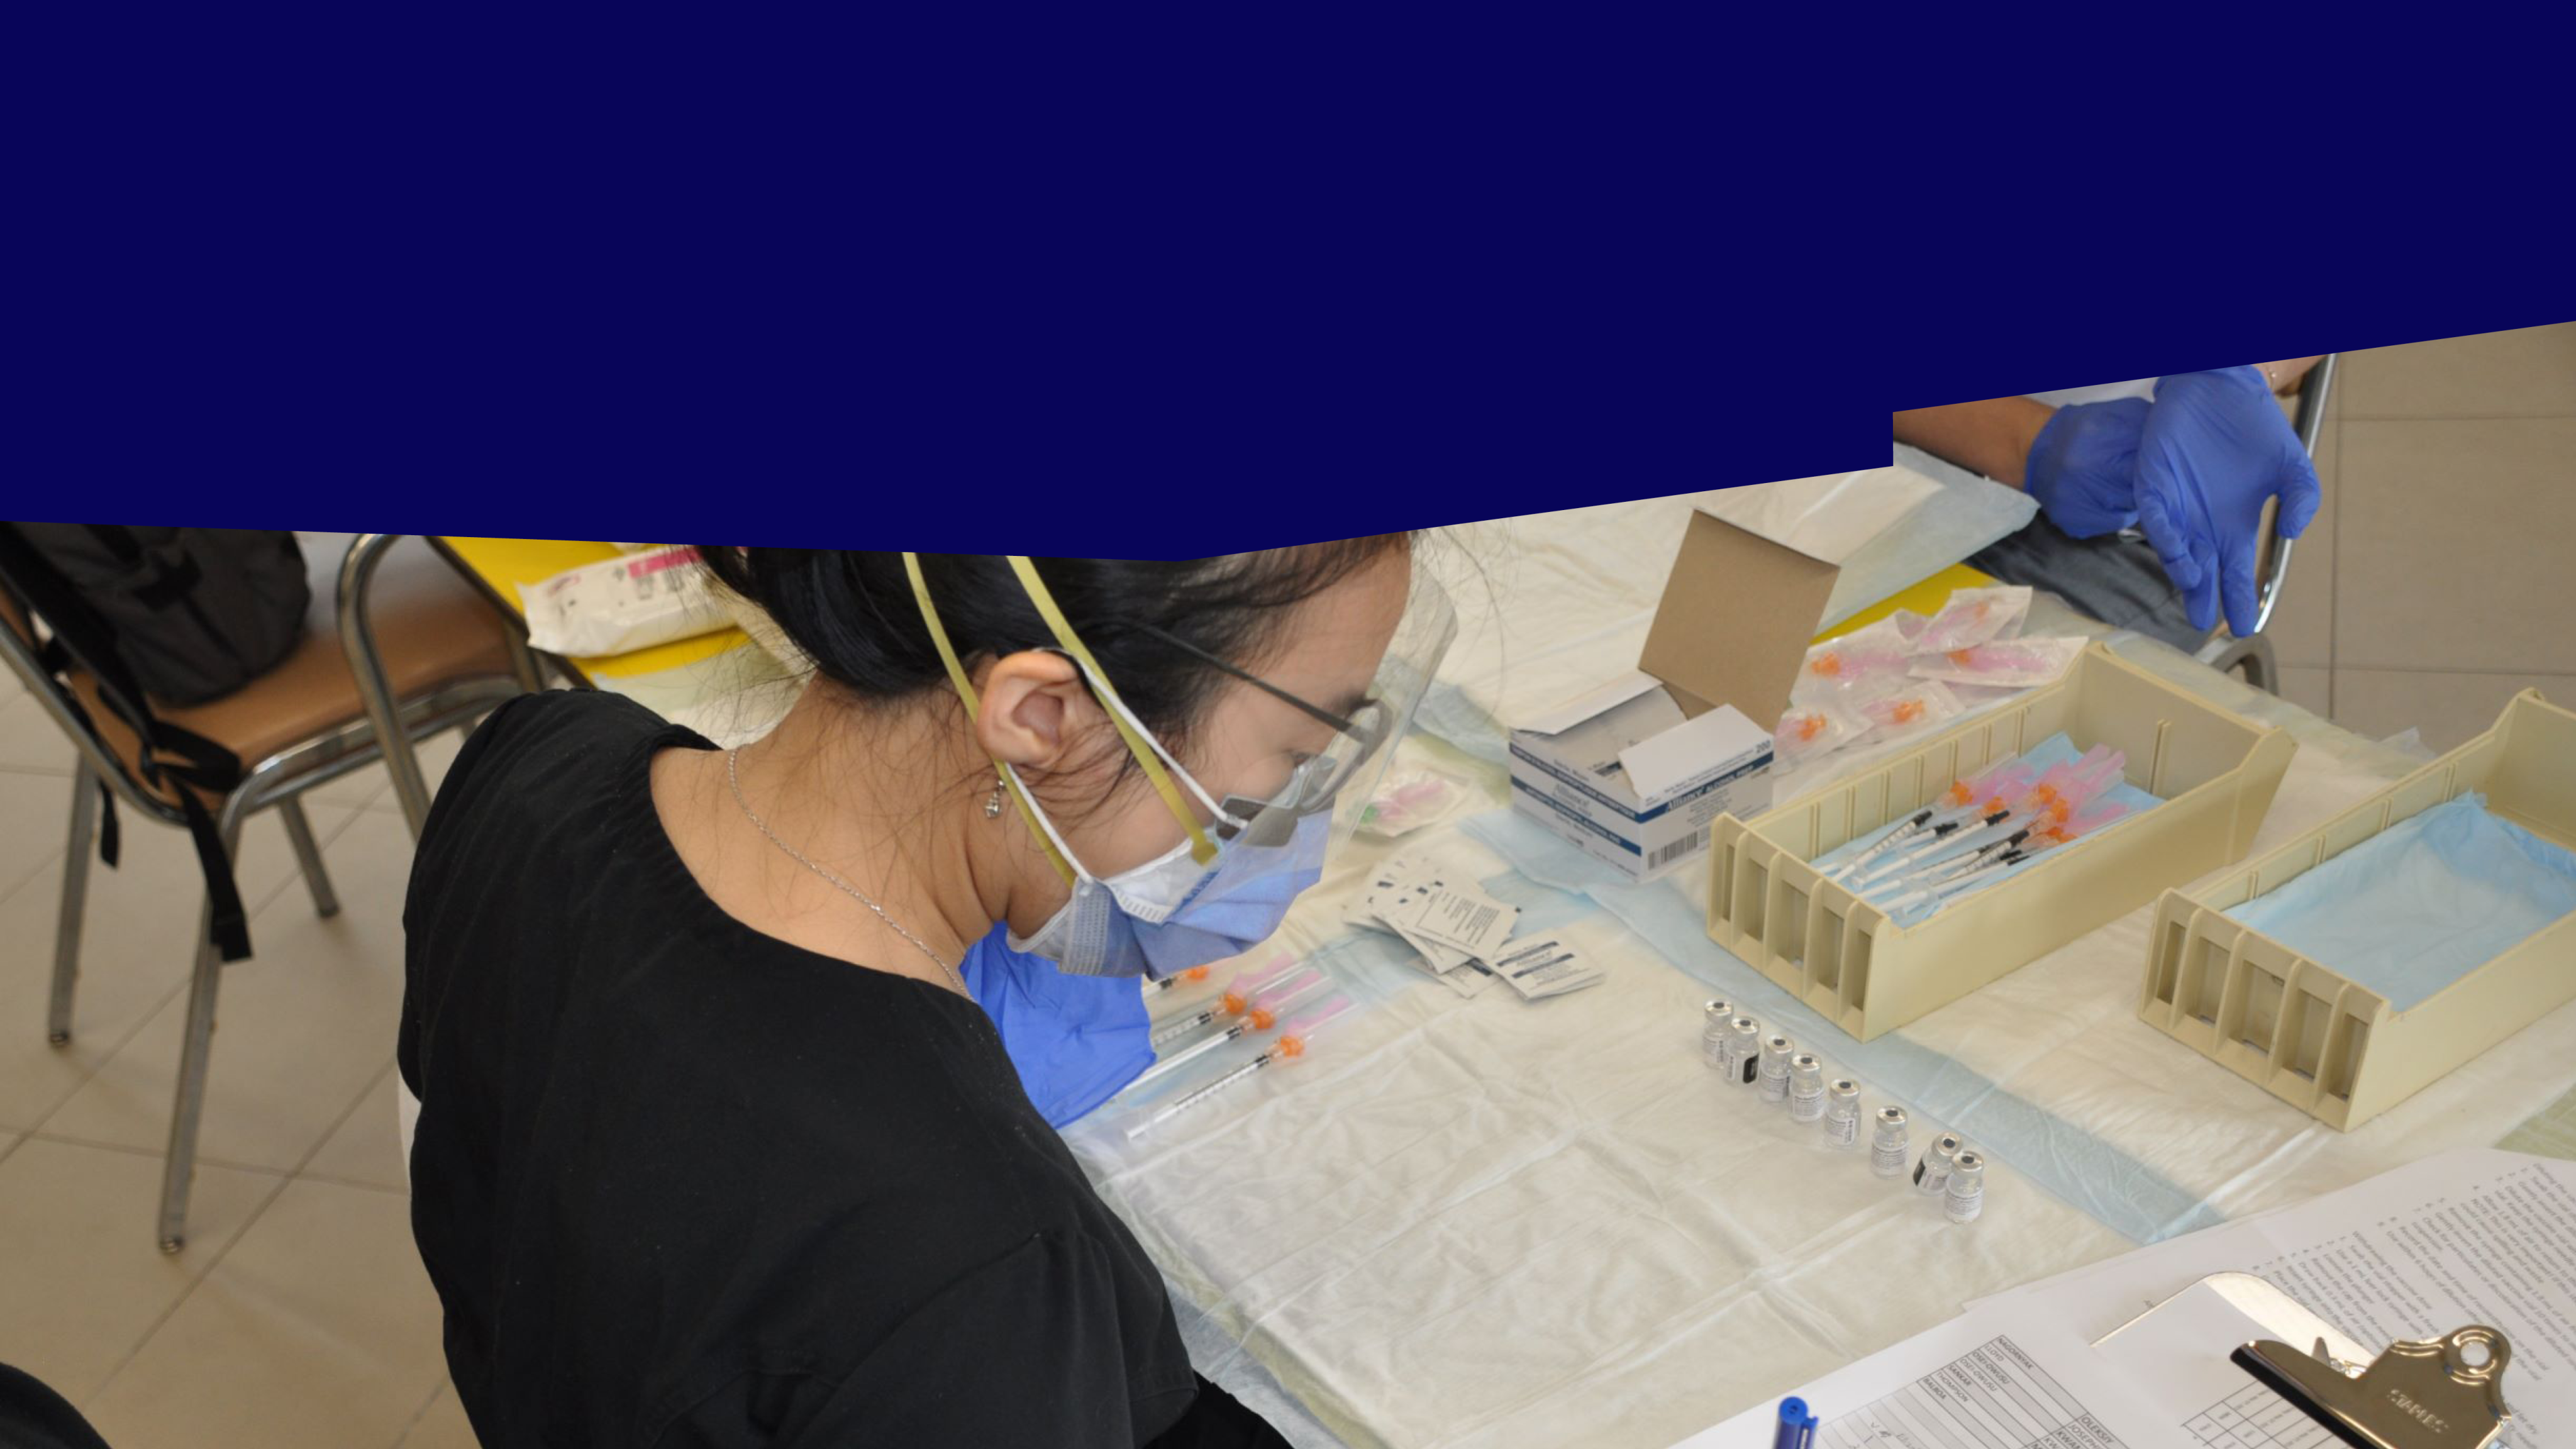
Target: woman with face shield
716,1146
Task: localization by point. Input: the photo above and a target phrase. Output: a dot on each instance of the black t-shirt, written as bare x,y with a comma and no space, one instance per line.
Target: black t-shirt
681,1183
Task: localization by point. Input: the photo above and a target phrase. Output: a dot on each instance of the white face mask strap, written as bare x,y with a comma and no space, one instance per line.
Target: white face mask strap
1179,770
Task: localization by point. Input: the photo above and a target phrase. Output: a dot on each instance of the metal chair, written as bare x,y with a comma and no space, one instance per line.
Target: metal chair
446,662
2252,653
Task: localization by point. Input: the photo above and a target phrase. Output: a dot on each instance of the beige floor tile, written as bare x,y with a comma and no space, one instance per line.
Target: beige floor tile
82,1279
2447,708
442,1425
2302,627
305,1026
2310,687
318,1328
2454,546
29,738
366,1149
2529,372
138,936
370,787
37,810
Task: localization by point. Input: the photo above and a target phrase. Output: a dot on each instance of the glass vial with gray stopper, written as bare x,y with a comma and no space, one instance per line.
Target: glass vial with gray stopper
1776,1052
1806,1088
1887,1147
1933,1172
1842,1112
1712,1032
1965,1195
1743,1050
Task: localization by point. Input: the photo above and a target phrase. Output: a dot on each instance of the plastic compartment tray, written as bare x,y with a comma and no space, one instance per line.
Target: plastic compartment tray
2329,1047
2214,770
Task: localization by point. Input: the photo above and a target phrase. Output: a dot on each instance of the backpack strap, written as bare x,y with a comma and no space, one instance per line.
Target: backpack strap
82,638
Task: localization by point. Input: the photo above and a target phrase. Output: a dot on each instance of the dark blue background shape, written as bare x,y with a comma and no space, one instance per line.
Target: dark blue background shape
1137,286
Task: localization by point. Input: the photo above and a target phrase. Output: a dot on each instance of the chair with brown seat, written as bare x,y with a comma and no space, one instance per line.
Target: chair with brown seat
300,725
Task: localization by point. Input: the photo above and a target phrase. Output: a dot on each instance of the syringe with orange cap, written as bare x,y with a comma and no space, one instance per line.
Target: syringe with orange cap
1952,878
1260,1015
1957,807
2061,791
1191,977
1296,1039
1236,1000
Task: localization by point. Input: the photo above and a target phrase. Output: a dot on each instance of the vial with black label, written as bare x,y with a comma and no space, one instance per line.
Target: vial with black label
1806,1088
1933,1172
1776,1052
1887,1143
1965,1196
1743,1050
1842,1112
1712,1032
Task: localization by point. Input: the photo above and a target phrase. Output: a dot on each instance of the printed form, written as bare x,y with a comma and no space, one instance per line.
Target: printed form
2477,1236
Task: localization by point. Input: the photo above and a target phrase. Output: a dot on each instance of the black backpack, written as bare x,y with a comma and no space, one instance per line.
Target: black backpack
158,584
196,612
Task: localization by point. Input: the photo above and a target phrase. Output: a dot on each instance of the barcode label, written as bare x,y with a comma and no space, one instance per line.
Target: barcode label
1677,849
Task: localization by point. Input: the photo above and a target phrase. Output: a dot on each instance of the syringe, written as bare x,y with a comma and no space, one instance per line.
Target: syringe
1191,977
1294,1039
1957,807
1261,1015
1238,996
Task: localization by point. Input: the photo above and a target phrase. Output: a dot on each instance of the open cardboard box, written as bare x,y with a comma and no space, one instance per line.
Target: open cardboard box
1635,772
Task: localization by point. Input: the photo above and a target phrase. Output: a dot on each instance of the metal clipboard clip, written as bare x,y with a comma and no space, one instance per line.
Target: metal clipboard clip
2440,1393
2434,1393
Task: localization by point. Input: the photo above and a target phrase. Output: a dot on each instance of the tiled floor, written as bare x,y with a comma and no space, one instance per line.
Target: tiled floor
2432,586
2440,577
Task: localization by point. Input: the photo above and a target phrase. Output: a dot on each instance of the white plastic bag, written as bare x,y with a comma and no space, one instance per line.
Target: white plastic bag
622,604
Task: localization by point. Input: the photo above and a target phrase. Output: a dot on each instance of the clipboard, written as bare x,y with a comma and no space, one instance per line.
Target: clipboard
2439,1393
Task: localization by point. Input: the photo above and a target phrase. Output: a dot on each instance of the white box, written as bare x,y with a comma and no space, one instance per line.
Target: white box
1626,775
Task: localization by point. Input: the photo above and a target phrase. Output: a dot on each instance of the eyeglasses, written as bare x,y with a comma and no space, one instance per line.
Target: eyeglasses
1317,779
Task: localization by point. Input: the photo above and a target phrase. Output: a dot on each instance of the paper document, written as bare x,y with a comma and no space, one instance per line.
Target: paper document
2472,1237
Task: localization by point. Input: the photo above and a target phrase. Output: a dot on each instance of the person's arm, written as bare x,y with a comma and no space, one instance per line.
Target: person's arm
1992,437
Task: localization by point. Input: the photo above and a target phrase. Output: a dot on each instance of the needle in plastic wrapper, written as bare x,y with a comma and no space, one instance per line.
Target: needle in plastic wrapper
1295,1039
1260,1014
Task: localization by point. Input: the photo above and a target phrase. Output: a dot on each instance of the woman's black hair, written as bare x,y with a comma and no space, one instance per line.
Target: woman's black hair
854,614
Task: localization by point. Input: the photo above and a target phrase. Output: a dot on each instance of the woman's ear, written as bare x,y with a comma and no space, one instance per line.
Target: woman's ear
1033,703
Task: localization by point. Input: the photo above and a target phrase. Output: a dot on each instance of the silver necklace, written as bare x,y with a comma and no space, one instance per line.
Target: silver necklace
734,778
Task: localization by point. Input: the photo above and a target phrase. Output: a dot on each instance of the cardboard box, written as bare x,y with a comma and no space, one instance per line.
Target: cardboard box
1635,772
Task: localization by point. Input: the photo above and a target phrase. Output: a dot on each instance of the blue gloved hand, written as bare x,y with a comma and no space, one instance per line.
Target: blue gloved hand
2083,469
1075,1039
2215,450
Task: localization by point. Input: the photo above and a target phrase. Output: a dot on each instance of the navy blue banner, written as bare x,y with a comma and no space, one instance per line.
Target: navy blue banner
993,299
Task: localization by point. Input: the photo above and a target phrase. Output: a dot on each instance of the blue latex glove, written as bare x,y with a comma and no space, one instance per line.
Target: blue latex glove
2216,449
1075,1039
2083,469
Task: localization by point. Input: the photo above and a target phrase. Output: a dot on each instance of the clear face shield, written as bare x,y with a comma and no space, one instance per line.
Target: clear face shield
1340,778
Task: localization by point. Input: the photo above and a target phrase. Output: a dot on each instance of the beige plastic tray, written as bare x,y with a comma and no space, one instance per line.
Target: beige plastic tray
2214,770
2319,1042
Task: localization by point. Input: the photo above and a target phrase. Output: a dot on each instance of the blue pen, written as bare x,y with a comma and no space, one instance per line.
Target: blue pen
1797,1426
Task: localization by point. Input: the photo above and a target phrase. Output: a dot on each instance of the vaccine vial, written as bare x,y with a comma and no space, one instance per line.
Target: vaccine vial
1965,1195
1842,1112
1887,1143
1806,1088
1712,1032
1743,1050
1776,1052
1933,1172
